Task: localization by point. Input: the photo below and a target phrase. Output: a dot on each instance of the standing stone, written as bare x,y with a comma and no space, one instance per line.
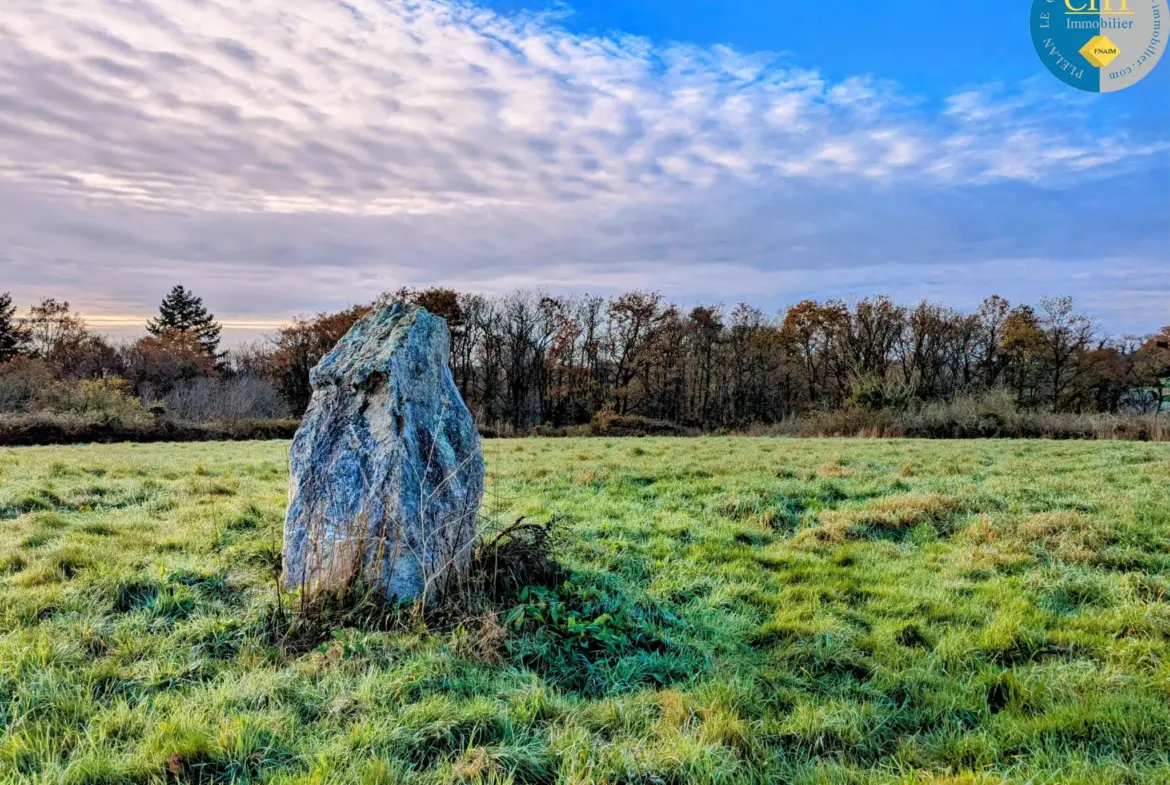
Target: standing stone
386,469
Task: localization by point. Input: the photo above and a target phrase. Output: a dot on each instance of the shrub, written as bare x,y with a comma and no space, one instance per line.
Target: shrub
23,382
97,399
993,415
610,424
56,428
873,393
233,399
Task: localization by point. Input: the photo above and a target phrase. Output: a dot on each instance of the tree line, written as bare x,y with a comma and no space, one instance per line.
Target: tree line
526,359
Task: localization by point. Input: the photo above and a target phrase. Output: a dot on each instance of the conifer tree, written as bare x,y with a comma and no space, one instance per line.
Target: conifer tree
182,311
13,335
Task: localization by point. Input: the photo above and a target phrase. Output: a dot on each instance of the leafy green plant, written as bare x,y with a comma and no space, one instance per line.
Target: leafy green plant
594,640
583,617
346,644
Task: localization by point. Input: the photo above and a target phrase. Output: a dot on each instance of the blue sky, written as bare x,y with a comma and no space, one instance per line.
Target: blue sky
285,158
898,39
931,49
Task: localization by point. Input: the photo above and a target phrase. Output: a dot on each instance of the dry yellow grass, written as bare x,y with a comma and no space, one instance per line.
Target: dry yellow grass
1068,535
889,514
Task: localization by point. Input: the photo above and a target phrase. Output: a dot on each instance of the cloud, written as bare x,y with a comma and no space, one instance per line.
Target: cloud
289,156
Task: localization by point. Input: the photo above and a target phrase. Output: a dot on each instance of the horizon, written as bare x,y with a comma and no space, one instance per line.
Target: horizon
238,331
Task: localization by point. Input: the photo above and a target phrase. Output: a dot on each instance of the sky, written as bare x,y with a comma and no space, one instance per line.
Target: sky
286,158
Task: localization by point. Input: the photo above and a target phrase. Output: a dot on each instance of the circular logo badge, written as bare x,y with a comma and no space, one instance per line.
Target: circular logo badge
1100,45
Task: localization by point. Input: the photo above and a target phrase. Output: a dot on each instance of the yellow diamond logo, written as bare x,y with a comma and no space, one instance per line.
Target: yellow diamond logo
1100,51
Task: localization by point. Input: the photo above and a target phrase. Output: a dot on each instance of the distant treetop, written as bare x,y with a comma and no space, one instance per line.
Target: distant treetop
183,311
13,334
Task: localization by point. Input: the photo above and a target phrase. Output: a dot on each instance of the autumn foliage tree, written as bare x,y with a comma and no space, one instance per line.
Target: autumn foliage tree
1152,372
157,363
59,336
300,345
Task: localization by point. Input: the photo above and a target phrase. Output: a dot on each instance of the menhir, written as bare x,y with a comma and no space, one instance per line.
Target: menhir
386,469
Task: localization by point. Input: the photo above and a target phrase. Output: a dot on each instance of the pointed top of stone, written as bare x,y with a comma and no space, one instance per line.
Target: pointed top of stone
374,339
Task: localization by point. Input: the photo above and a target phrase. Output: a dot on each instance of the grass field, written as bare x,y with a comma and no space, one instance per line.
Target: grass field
740,610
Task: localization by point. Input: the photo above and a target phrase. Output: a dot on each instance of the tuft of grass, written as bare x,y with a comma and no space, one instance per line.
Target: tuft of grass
1069,536
885,516
717,610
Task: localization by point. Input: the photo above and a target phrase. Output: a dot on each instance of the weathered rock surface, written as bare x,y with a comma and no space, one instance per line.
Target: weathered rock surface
387,468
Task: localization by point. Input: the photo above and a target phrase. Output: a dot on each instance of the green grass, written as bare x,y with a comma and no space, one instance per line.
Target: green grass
741,610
